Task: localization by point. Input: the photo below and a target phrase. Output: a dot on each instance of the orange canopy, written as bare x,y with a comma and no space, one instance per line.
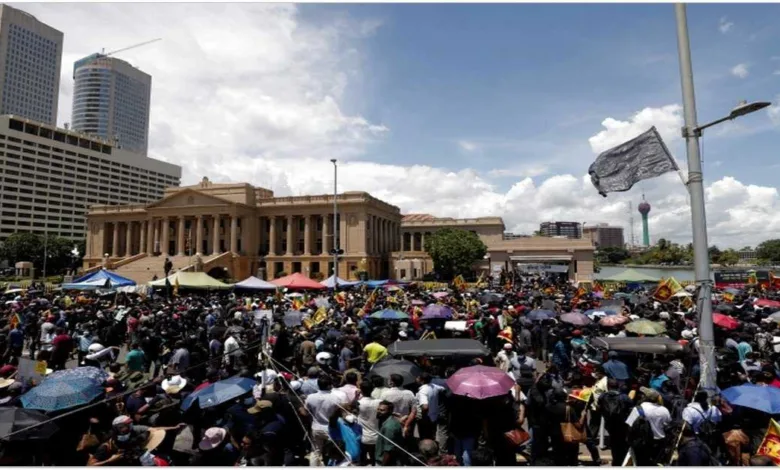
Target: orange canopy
297,281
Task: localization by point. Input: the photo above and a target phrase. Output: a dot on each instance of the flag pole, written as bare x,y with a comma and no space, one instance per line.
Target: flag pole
698,216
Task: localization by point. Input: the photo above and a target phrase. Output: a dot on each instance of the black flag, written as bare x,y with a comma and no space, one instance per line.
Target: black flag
621,167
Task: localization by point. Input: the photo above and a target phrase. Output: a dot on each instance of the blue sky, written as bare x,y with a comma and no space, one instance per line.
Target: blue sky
452,110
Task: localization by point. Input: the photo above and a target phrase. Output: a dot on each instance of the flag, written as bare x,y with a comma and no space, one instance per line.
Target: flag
15,320
686,302
728,297
674,285
297,304
663,293
506,334
176,286
319,316
341,298
459,283
770,446
621,167
752,278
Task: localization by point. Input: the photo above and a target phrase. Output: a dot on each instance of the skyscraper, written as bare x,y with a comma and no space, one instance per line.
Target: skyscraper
560,229
644,209
30,59
111,100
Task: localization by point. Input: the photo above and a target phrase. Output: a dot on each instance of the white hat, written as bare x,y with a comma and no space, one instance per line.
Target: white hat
323,357
95,347
664,315
634,317
402,334
296,385
174,384
212,438
687,334
267,376
508,346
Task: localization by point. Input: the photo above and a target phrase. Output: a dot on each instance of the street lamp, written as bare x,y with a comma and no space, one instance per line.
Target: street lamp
691,132
336,251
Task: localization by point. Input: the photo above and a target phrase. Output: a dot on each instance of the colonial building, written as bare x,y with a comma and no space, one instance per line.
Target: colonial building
237,230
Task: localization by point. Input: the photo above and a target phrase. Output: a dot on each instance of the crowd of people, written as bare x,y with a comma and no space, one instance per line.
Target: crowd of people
283,378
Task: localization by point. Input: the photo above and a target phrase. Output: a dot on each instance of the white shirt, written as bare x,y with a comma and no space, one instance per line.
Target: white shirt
428,394
656,415
694,415
367,419
402,400
350,391
321,406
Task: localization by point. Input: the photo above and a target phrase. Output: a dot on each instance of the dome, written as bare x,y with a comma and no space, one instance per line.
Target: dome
644,207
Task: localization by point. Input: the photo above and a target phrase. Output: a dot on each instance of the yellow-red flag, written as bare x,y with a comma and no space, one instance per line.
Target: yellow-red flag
770,446
663,293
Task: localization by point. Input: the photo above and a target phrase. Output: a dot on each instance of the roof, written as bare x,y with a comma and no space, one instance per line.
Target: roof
188,280
253,282
297,281
417,218
99,279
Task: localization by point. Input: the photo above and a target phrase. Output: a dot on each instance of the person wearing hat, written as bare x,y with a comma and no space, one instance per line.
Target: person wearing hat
269,427
9,392
216,449
128,442
649,450
174,385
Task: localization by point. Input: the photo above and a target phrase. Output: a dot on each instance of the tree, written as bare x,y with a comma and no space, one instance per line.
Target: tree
25,246
612,255
769,250
715,253
453,251
728,257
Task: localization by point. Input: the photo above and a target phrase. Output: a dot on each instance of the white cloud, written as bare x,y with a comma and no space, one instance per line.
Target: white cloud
724,25
667,120
740,70
774,111
467,146
776,72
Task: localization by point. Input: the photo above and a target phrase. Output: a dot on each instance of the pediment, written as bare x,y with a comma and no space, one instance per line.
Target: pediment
189,198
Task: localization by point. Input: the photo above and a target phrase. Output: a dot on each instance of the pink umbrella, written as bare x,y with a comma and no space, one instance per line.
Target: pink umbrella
613,320
440,295
575,318
480,382
767,303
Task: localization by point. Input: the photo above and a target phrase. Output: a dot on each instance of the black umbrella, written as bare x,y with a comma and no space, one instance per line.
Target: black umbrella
490,298
408,370
724,308
16,419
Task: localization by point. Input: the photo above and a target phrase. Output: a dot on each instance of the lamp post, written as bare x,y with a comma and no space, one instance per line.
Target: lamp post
691,132
336,247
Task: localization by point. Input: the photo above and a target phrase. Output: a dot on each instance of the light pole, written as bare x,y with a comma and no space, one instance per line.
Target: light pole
336,247
691,132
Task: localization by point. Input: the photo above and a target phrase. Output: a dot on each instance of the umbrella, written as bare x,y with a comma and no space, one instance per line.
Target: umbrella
539,315
63,393
15,419
766,399
490,298
724,308
219,392
575,318
767,303
89,372
437,311
417,302
440,295
613,320
406,369
646,327
775,317
725,321
622,295
480,382
389,314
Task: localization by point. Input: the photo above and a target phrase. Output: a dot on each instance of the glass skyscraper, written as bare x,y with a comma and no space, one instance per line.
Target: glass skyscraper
111,100
30,59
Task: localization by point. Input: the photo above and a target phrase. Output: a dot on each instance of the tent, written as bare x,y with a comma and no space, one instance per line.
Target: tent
188,280
101,279
329,282
255,284
384,282
630,275
297,281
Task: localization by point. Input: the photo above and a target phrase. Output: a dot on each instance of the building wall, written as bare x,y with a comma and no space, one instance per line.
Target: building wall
51,176
561,229
604,236
30,59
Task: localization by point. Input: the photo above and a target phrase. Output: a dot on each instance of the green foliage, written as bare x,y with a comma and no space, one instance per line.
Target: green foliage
665,252
612,255
32,247
453,251
728,257
769,250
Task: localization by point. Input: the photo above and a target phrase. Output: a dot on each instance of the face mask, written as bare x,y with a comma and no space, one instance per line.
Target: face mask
350,418
123,437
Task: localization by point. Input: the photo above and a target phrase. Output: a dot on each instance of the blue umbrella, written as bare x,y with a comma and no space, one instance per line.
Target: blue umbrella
62,393
436,311
219,392
89,372
539,315
389,314
766,399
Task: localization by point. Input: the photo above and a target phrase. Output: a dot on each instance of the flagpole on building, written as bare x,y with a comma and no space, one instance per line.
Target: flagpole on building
698,216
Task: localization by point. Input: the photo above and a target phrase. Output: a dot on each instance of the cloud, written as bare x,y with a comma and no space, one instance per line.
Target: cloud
776,72
724,25
773,111
667,120
740,70
467,146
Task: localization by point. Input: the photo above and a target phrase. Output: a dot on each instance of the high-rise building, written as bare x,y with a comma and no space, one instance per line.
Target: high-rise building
560,229
49,177
604,236
111,100
30,59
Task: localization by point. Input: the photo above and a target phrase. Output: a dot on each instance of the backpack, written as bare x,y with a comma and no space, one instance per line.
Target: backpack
640,435
613,408
676,406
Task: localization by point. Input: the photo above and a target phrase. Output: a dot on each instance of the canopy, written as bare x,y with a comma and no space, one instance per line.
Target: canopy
100,279
638,345
188,280
630,275
297,281
255,283
383,282
439,348
330,282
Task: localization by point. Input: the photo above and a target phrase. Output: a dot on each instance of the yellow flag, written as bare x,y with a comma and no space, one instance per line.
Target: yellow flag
770,446
674,285
319,316
663,293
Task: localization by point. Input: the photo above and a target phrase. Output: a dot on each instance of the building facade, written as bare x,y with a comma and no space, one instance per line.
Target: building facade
604,236
111,100
30,60
51,176
560,229
237,230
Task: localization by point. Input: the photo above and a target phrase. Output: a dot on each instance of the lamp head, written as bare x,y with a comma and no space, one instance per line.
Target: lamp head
744,108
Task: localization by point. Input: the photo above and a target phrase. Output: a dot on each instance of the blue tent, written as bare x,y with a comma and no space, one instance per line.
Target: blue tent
330,282
380,283
101,279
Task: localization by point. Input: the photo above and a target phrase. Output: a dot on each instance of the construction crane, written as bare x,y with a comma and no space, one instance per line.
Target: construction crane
129,47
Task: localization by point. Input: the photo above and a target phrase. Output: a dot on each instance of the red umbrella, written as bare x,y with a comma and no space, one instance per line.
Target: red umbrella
613,320
767,303
480,382
725,321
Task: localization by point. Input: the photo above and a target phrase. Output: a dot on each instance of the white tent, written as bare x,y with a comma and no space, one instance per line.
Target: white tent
330,282
255,284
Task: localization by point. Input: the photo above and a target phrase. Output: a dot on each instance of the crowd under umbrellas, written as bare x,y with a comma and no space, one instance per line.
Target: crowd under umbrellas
522,370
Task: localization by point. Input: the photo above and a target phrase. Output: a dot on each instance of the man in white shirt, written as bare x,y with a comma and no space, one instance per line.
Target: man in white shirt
694,414
321,406
350,388
427,406
403,402
504,357
367,419
658,418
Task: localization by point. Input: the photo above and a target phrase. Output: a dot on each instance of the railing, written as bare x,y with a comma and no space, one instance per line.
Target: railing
128,260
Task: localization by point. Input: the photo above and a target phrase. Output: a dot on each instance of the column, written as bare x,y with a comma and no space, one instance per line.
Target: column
215,236
180,237
246,231
156,237
165,244
115,241
199,235
233,234
307,235
372,250
142,238
128,238
343,235
271,239
260,232
422,241
326,241
290,229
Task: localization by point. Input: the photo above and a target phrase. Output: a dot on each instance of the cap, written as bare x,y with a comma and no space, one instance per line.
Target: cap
259,406
508,346
650,394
